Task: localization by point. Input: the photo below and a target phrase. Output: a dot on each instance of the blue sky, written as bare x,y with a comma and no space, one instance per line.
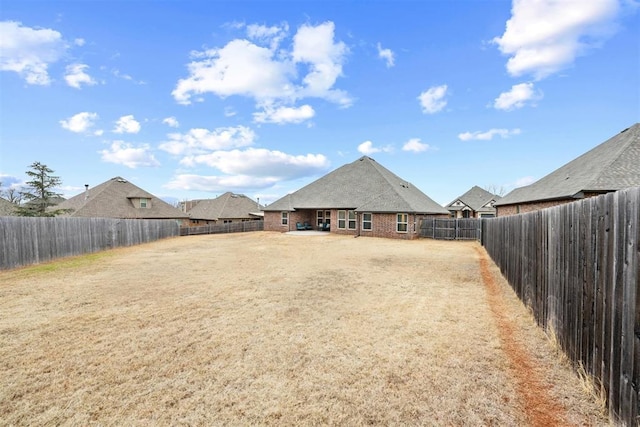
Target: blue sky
189,99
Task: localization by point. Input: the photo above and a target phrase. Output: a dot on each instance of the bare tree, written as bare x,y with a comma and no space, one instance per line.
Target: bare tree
497,190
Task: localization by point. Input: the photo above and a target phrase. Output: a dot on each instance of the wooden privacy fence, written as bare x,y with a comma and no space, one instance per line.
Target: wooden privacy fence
576,266
27,241
451,228
231,227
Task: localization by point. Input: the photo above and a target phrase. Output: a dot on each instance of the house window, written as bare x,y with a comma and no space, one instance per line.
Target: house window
143,203
466,214
402,222
319,218
342,220
327,217
284,218
352,220
366,221
228,221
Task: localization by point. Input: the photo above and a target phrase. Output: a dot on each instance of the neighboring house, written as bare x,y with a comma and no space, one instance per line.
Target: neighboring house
7,208
118,198
611,166
360,198
475,203
229,207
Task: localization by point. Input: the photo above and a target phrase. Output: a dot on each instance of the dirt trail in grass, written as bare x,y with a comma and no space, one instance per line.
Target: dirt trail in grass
540,407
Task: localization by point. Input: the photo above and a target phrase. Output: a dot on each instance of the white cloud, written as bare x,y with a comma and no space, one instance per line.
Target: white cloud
488,135
261,162
171,122
29,51
545,36
198,140
270,35
387,55
76,76
80,123
215,183
79,42
315,46
517,97
267,74
367,148
123,153
284,115
415,145
127,124
432,100
239,68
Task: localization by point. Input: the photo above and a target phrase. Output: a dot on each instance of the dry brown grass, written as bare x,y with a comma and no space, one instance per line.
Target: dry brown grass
265,328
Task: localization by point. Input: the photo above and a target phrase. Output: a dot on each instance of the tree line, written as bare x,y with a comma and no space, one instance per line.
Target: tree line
36,196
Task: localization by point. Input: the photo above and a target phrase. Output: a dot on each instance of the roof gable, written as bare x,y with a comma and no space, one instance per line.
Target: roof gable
475,198
610,166
116,198
7,208
228,205
363,185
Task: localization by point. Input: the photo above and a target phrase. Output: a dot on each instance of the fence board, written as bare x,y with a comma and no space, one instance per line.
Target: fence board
576,266
25,241
231,227
451,228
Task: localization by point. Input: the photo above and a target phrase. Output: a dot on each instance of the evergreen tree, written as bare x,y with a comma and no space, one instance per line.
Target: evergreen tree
38,193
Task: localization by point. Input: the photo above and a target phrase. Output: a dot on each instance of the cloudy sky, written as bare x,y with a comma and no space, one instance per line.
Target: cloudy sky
189,99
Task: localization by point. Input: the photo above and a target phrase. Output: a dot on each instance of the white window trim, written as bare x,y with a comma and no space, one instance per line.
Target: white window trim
370,221
344,220
350,220
284,218
405,223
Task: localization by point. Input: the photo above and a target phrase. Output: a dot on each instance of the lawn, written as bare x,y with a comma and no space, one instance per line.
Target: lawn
274,329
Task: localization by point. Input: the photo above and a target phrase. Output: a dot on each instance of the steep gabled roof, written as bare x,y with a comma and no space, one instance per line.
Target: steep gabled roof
228,205
478,199
114,199
610,166
7,208
363,185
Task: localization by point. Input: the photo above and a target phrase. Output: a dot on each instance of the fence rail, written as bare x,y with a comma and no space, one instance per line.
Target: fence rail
576,266
451,228
26,241
231,227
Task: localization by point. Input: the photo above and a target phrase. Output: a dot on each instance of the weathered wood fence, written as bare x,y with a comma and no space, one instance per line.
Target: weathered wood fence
231,227
451,228
25,241
576,266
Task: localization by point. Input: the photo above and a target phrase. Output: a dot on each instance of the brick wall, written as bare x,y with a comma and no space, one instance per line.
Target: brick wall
382,224
515,209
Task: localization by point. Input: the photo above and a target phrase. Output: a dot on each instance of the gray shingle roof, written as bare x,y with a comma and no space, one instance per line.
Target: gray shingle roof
229,205
7,208
363,185
114,199
477,199
610,166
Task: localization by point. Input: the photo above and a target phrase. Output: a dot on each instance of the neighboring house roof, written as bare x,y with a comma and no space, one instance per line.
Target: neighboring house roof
610,166
228,205
477,199
114,199
363,185
7,208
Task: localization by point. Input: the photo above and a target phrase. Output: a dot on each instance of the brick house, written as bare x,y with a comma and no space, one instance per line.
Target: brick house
224,209
475,203
118,198
361,199
610,166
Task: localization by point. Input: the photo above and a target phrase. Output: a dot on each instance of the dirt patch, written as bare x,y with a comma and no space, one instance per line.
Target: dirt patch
262,328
